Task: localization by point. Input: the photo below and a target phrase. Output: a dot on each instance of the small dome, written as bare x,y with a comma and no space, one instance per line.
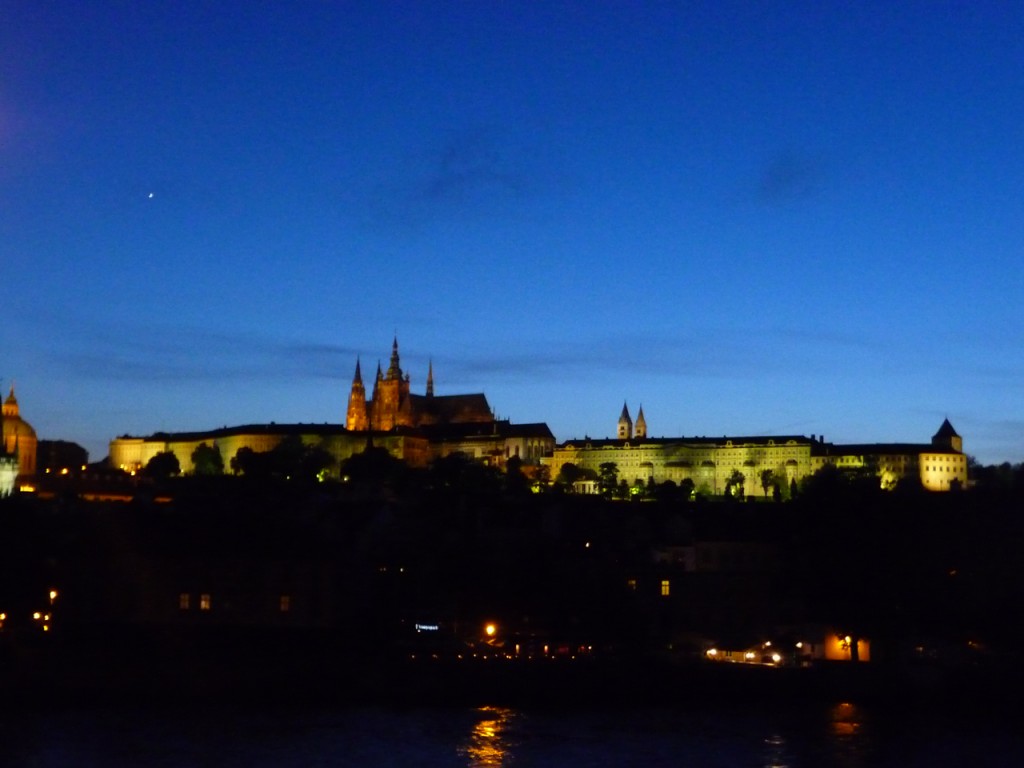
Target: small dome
17,427
18,437
13,424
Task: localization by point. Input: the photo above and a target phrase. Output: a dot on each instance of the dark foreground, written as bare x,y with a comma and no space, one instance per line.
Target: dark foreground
108,672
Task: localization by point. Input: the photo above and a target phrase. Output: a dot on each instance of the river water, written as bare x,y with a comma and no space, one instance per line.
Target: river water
818,736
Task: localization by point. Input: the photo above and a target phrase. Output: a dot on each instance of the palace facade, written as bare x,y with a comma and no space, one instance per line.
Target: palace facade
412,427
711,463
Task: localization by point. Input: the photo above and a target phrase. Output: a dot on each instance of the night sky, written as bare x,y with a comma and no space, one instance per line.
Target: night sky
806,218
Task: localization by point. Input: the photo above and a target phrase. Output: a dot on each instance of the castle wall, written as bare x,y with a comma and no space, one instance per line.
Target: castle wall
709,466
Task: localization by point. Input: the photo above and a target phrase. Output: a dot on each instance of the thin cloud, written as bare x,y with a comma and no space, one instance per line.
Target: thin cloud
710,353
199,355
472,170
469,165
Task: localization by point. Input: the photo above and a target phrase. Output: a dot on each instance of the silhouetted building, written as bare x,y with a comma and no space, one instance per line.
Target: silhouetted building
60,455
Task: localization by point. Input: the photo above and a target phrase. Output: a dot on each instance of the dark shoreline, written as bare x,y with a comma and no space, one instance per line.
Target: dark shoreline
307,678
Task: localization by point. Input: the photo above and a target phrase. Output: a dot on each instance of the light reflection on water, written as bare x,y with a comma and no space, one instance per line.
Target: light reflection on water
489,745
775,752
851,745
843,735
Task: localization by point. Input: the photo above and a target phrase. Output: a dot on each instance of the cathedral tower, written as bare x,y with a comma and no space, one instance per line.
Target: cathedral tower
356,419
625,424
641,424
390,407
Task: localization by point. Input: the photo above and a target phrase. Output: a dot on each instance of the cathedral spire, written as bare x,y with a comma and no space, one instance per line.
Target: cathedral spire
625,424
394,370
356,416
430,379
641,423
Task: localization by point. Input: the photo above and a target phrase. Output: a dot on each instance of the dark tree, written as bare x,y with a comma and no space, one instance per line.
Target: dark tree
206,460
374,467
515,480
734,485
460,472
608,478
164,464
250,463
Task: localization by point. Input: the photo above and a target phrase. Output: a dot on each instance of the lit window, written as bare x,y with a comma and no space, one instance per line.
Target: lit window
204,602
631,583
285,603
184,603
666,588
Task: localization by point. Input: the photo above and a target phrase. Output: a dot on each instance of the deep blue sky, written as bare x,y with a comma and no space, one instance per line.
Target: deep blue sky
802,218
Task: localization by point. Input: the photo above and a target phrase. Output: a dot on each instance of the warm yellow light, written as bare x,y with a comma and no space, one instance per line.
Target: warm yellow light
64,471
800,645
36,615
776,658
3,616
490,629
712,652
53,595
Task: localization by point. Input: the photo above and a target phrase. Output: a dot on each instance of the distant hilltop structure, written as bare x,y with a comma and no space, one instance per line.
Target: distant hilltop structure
412,427
18,446
393,405
756,465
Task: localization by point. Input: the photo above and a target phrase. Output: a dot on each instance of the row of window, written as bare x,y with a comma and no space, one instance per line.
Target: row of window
284,603
666,586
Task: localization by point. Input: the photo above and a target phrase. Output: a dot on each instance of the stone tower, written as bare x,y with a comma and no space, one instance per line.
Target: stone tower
625,424
641,424
356,418
947,437
390,405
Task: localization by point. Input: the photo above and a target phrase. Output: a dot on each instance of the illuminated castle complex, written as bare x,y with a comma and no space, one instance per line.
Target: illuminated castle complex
717,465
414,428
419,428
393,405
